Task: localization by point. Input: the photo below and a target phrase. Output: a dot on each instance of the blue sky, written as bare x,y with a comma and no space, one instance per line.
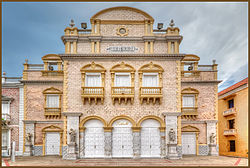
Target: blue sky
210,30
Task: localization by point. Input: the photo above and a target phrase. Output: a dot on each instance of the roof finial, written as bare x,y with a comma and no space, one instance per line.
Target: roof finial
214,61
4,73
72,23
26,61
171,23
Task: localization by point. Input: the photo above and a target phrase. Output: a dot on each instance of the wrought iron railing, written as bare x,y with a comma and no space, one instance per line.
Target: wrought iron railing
231,111
229,132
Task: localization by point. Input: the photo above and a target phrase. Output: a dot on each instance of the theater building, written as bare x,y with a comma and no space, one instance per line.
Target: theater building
121,89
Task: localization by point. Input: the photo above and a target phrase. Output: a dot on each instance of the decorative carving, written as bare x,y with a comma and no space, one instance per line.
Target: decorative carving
72,134
28,138
171,135
212,138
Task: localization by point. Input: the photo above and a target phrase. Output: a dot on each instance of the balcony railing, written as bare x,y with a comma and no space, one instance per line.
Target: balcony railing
52,73
229,132
231,111
121,93
192,111
52,112
92,93
190,73
151,93
6,117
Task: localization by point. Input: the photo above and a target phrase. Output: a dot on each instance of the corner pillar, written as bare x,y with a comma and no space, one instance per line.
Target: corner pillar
212,140
72,152
171,120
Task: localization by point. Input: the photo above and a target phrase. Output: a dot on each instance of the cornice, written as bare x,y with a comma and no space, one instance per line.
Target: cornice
212,81
90,38
113,56
40,81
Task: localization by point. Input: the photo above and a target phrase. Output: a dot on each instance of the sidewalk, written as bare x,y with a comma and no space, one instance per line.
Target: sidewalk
186,161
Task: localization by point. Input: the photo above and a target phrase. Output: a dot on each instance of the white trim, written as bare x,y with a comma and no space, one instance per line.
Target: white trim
21,118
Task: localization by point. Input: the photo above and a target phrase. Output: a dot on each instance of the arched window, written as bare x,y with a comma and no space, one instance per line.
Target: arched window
150,82
93,82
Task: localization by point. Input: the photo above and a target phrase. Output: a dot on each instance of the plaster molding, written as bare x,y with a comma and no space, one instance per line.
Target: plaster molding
75,114
171,114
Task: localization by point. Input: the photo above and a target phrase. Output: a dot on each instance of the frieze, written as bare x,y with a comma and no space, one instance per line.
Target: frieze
122,49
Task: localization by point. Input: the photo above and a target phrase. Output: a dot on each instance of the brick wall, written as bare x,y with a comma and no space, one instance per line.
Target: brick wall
108,110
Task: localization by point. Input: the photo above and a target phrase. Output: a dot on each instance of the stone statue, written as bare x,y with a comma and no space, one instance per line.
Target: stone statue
28,137
51,68
72,134
212,138
171,135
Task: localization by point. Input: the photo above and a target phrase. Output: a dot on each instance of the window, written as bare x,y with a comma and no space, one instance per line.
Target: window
188,101
150,80
172,47
53,101
122,80
231,103
93,80
232,146
5,107
231,124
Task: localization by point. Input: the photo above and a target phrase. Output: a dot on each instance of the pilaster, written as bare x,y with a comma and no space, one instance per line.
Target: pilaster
136,144
108,144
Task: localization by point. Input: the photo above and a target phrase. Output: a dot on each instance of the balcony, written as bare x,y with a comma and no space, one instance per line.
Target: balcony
52,73
92,93
151,93
52,112
230,132
190,73
123,93
189,112
6,118
231,111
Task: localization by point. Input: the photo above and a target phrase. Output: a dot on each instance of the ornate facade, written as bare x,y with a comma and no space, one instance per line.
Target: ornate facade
121,89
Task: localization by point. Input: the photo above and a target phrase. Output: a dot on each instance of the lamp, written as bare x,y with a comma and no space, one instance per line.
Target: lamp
84,25
160,26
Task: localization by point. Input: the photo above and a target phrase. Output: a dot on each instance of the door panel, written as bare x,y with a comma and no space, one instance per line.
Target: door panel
150,138
94,139
189,144
122,139
52,143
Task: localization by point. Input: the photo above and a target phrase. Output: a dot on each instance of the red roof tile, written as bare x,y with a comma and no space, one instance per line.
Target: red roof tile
244,81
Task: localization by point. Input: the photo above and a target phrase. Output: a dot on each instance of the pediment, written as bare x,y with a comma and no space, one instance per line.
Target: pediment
122,67
122,13
93,67
189,128
151,68
52,57
52,90
52,128
189,91
191,57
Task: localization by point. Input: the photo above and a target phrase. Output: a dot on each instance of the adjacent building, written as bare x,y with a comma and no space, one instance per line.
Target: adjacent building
233,120
120,89
12,104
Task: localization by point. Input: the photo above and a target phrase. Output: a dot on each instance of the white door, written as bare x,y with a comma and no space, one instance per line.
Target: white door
150,138
94,139
5,142
188,144
52,143
122,139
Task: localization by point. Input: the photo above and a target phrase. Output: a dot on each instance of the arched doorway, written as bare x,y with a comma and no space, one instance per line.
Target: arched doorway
94,138
150,138
122,138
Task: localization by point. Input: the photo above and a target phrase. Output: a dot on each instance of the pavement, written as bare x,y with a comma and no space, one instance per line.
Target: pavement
186,161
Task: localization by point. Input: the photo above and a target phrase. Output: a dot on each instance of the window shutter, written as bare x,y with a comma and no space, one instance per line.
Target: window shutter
53,101
188,101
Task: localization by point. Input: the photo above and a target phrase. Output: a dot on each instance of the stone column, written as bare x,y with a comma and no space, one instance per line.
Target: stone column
72,123
211,137
29,129
136,144
163,142
82,144
108,142
171,125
